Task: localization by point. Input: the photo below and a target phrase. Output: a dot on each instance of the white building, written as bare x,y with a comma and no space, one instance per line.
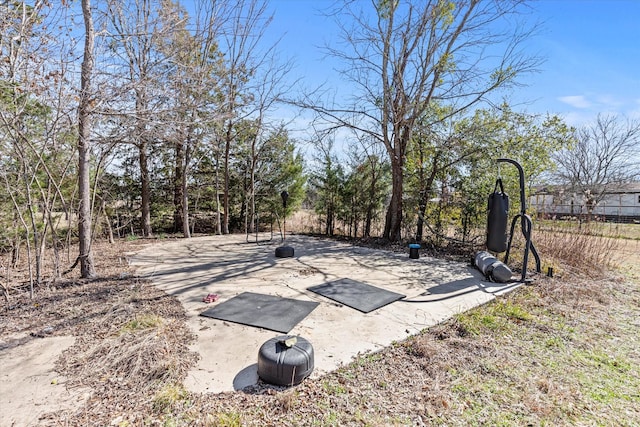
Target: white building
621,203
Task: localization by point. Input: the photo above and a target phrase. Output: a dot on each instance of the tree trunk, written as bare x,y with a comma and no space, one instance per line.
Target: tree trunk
393,221
16,242
87,268
146,190
330,219
55,240
218,219
425,194
178,188
367,221
185,194
371,204
107,221
34,226
225,195
251,209
422,209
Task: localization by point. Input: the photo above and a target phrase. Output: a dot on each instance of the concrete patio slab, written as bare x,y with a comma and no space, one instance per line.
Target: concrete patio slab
229,265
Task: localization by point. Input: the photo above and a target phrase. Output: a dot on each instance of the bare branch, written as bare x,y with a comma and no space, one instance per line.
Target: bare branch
606,154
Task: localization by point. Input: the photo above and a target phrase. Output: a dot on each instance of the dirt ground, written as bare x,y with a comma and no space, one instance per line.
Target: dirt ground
48,344
107,351
29,385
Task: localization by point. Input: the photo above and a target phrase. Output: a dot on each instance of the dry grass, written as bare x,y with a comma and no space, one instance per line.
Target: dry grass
131,338
561,352
594,228
578,252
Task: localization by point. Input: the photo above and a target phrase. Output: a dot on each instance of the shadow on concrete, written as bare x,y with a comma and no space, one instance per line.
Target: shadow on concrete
246,377
456,288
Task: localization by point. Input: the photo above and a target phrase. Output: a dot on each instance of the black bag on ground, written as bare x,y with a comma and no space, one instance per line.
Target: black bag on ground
498,213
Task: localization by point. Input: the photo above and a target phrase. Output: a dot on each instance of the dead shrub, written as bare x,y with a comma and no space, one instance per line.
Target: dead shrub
135,357
575,252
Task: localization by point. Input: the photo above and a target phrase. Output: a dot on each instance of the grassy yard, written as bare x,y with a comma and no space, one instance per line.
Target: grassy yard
561,352
553,354
595,228
564,351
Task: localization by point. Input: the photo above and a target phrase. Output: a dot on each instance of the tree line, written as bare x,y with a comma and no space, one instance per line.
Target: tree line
140,117
130,117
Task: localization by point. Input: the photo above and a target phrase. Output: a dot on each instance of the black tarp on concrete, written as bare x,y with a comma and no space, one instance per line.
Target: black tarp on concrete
358,295
262,311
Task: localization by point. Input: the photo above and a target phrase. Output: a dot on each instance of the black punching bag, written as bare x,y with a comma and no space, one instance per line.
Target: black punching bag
497,219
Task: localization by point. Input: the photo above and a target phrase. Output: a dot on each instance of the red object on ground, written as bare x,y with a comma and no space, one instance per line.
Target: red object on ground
210,298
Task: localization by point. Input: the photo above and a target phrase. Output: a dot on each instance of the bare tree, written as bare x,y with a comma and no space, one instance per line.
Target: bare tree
268,88
87,268
197,65
605,155
243,28
35,123
137,91
402,55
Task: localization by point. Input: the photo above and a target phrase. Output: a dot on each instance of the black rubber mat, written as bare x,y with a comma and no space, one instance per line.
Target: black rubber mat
262,311
358,295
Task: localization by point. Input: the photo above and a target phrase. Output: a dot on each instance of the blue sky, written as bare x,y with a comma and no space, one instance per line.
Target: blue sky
592,51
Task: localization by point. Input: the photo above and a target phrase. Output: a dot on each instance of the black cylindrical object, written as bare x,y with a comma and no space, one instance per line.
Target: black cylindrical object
414,252
492,268
497,218
284,252
285,360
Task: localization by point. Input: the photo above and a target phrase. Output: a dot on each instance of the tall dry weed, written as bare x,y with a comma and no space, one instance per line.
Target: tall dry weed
576,252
